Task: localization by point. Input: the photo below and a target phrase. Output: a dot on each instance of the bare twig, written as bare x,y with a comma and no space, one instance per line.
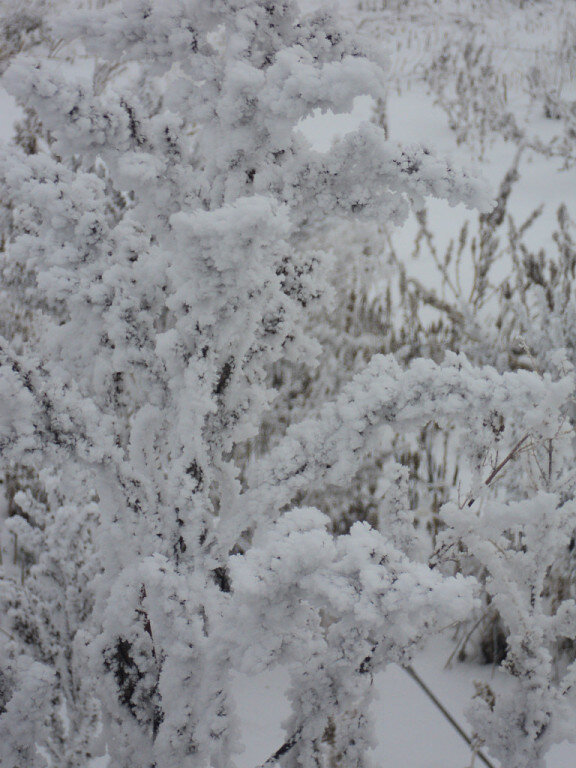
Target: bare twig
510,456
281,751
418,680
503,463
462,645
292,741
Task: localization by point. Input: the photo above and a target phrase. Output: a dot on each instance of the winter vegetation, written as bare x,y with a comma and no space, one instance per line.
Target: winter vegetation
277,405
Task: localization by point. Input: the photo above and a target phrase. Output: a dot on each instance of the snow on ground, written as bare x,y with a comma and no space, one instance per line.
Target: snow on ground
413,118
410,730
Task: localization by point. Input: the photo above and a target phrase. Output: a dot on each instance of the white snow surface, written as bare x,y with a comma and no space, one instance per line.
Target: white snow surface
410,730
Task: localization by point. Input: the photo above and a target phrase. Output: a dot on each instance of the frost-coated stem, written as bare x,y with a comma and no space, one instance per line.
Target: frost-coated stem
418,680
503,463
281,751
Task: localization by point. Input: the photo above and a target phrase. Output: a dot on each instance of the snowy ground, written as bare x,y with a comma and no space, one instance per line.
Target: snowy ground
411,732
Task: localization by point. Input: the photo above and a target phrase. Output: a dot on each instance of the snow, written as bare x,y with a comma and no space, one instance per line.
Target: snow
413,117
410,730
322,128
9,113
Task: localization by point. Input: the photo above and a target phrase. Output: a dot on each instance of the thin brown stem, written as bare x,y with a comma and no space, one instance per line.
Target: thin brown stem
503,463
506,460
438,704
281,751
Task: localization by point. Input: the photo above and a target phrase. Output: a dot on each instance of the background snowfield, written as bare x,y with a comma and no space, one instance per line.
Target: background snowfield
409,730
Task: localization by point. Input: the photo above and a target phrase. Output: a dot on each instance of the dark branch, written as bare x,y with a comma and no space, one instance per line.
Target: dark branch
281,751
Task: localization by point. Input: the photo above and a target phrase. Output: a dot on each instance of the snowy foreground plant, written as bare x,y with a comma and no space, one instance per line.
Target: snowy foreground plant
161,566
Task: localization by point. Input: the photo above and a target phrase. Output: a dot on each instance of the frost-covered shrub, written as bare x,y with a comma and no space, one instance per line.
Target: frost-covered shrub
160,560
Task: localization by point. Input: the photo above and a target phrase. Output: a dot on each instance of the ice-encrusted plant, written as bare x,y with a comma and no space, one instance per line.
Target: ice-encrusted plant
159,565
